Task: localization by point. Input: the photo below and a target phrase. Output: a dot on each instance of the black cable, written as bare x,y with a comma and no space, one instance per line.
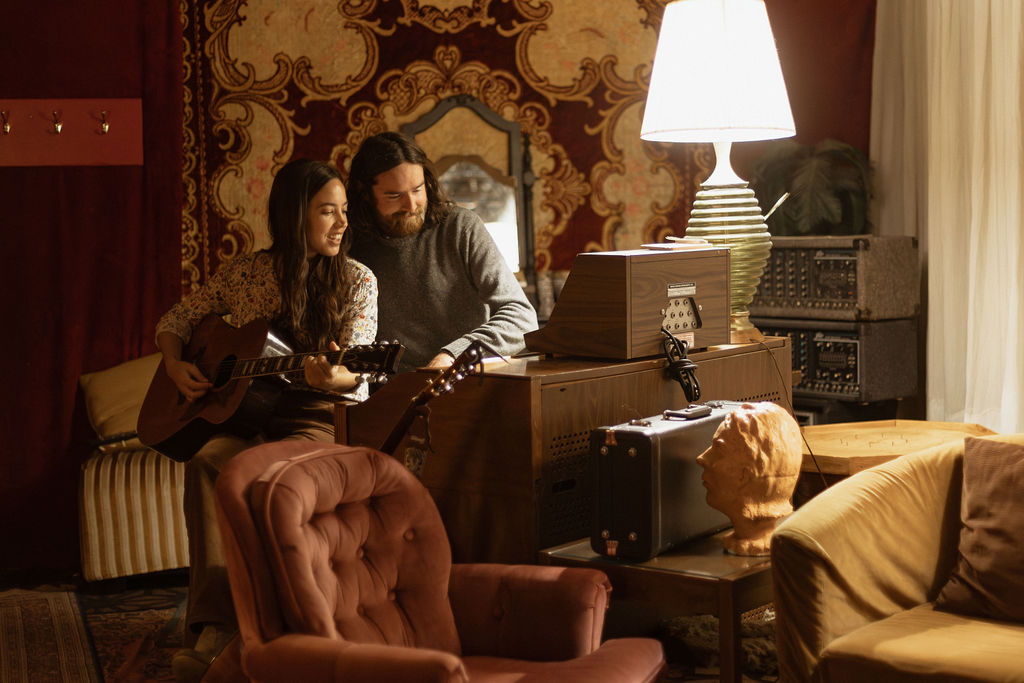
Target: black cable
680,368
792,408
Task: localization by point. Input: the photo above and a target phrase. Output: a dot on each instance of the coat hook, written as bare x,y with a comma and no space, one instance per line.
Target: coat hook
104,126
6,127
57,124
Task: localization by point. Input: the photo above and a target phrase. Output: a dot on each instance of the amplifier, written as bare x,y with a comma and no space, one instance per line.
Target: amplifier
856,277
851,361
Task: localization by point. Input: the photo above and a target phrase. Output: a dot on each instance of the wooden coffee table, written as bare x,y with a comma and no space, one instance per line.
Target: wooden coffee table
698,578
846,448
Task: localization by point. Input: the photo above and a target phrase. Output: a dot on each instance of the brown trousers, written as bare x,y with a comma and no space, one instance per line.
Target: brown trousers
298,416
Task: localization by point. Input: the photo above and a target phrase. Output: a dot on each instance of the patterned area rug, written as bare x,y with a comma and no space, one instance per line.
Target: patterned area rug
43,639
136,632
691,647
60,636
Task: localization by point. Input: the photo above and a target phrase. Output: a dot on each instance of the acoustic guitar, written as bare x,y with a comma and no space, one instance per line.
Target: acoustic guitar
248,367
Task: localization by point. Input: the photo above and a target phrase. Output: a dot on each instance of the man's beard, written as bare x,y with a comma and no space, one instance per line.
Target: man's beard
401,224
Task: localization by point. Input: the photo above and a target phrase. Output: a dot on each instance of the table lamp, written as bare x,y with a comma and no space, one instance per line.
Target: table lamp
716,78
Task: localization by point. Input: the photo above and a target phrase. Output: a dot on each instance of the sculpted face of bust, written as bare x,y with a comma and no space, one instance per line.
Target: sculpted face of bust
750,472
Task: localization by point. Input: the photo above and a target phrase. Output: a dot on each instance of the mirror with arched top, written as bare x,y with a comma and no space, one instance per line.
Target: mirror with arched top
482,160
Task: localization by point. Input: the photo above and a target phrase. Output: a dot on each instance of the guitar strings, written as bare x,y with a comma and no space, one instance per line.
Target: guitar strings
237,366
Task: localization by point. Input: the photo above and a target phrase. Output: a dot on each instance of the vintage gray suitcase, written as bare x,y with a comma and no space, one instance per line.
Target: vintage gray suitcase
648,495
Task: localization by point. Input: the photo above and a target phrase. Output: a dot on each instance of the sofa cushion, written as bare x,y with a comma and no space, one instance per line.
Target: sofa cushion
925,644
988,579
113,398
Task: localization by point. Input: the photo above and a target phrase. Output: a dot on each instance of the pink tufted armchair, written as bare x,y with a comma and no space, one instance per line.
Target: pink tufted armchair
341,570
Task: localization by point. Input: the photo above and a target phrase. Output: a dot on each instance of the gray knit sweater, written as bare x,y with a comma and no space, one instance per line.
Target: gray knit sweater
445,287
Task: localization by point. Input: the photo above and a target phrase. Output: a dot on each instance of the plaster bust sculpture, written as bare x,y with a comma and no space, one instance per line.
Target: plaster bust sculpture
750,472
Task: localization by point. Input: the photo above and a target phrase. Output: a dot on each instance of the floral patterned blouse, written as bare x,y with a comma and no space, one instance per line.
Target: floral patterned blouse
247,289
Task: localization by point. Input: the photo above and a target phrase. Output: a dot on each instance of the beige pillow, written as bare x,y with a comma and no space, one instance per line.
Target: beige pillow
988,579
114,396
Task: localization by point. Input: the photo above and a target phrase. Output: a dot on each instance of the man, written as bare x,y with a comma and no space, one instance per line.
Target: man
442,282
750,472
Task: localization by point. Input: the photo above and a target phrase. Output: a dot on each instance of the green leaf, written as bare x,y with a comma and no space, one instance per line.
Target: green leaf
829,185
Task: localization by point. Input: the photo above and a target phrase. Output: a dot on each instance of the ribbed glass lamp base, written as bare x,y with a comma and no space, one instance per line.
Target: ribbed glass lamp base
729,216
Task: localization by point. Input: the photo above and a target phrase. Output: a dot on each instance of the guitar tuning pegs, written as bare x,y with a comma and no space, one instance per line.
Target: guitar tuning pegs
459,376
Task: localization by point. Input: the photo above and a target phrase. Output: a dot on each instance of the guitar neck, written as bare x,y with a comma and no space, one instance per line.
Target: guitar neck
280,365
394,438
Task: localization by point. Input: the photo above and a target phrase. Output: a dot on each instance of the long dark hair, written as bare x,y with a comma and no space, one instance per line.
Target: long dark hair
312,291
379,154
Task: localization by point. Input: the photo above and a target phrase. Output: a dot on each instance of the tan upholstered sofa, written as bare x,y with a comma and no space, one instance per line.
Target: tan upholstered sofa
857,569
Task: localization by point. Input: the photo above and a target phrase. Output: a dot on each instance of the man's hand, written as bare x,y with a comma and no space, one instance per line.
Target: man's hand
440,361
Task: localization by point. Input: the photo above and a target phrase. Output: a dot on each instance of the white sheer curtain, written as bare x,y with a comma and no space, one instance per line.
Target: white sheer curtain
947,141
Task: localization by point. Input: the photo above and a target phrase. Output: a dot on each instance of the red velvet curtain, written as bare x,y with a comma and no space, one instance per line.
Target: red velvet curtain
91,253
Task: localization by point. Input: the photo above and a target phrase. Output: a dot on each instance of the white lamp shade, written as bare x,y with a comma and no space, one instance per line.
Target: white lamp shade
716,76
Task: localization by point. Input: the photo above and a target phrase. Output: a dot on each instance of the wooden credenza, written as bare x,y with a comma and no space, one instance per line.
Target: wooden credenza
510,463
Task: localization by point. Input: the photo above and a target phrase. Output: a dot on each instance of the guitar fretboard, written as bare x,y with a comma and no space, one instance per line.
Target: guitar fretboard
280,365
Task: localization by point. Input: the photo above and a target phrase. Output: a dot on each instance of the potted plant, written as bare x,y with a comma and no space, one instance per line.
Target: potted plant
829,186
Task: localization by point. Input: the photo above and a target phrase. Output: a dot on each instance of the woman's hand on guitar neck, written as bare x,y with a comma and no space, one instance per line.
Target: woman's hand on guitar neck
320,373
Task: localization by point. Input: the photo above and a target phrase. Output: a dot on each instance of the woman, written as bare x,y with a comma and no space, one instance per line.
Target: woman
311,293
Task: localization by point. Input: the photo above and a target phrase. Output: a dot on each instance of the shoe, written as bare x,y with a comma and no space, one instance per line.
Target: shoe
190,665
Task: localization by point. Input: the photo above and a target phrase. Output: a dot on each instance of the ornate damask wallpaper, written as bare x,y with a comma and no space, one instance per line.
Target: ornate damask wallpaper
267,81
270,80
